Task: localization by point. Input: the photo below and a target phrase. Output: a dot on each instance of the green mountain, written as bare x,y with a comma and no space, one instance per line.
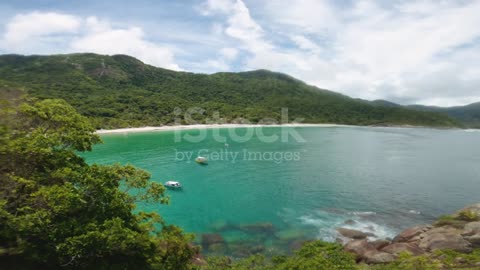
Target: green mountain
121,91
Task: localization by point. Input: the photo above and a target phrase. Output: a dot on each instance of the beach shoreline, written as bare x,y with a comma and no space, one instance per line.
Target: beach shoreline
206,126
213,126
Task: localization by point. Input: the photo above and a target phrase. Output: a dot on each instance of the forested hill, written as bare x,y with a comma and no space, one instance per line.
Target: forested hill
468,115
121,91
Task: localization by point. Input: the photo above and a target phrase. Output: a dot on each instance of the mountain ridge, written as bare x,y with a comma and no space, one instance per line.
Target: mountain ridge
121,91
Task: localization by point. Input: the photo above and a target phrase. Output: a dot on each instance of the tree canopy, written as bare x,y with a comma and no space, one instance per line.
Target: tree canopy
120,91
57,211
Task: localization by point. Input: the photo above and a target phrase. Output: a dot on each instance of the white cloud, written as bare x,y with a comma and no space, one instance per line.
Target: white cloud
50,32
25,31
409,52
229,53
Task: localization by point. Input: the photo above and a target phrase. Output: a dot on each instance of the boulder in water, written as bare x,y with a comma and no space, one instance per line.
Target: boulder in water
353,234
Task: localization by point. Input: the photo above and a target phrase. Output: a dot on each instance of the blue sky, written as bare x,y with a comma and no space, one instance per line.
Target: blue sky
408,52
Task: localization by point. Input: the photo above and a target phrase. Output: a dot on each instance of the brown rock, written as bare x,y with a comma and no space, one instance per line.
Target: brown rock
397,248
473,239
444,238
378,257
471,228
379,244
353,234
359,248
410,233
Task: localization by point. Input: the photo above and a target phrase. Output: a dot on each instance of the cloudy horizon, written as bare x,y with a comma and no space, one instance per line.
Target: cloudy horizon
408,52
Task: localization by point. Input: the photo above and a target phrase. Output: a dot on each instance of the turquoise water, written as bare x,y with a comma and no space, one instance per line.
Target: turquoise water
385,179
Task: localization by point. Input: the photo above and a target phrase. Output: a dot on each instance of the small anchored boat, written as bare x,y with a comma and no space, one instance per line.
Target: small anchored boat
201,160
173,185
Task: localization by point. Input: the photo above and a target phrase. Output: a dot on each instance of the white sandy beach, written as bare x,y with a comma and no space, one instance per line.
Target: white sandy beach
206,126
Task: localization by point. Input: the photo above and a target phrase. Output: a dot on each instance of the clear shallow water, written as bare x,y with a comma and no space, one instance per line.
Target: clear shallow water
385,179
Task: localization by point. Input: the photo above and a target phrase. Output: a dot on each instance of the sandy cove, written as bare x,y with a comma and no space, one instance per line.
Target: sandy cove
206,126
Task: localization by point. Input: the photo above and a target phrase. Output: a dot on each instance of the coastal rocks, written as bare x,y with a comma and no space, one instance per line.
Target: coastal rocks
411,234
444,238
359,248
381,243
474,240
471,228
471,233
376,257
397,248
459,232
366,251
353,234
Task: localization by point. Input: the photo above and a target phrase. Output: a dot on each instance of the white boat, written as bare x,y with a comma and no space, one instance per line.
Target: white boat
201,160
173,185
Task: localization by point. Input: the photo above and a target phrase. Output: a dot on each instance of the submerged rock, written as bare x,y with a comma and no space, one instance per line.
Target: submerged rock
241,249
220,225
290,235
353,234
209,239
265,227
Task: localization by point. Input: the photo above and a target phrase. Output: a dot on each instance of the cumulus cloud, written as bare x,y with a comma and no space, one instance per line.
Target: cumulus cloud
24,32
411,51
50,32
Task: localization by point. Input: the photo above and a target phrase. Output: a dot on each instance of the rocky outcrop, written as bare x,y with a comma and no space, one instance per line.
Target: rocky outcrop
397,248
411,234
367,252
444,238
459,232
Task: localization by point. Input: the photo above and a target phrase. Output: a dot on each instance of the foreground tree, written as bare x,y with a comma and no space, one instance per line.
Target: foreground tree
57,211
